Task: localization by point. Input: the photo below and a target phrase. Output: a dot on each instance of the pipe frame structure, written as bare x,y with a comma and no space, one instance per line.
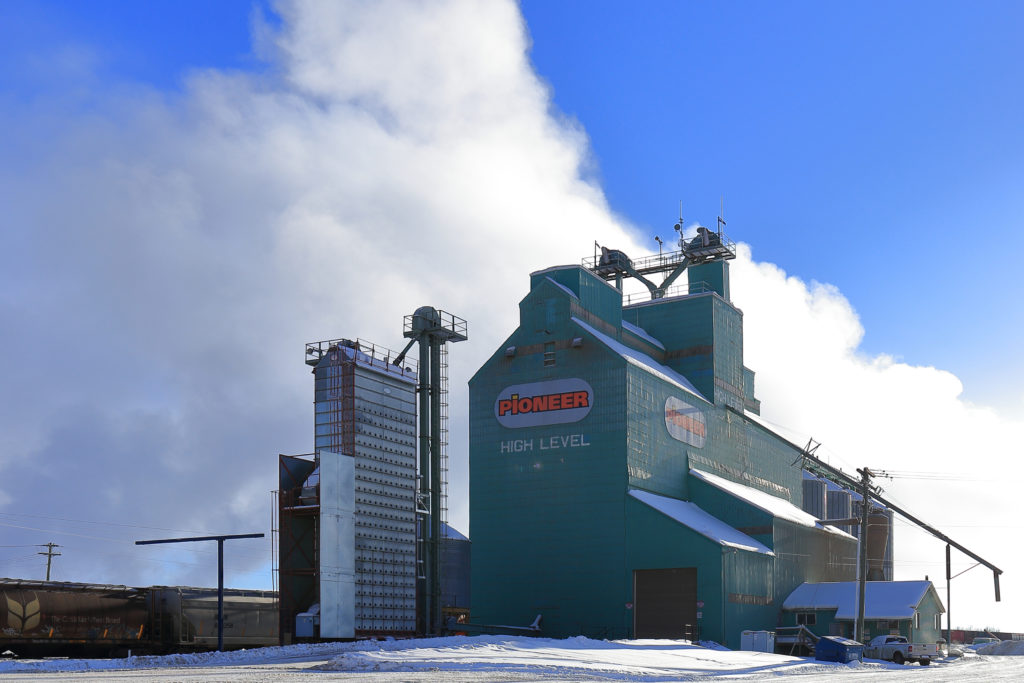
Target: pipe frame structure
220,570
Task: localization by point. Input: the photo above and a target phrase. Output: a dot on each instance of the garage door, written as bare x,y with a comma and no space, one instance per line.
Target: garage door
665,603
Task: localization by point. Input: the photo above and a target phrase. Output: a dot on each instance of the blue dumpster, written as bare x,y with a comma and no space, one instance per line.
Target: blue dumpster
836,649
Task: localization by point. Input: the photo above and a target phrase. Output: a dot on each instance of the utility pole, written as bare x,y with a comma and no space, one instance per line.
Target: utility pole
49,555
862,560
949,605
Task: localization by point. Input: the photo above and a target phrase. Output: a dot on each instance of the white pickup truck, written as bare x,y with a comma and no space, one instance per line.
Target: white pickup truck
897,649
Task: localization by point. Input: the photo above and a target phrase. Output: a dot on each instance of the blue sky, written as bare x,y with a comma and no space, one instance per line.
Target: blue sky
875,146
183,180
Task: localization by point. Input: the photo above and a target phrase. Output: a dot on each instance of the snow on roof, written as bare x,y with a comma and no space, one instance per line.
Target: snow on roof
552,269
642,333
768,427
882,599
691,516
773,505
563,288
830,485
373,363
642,360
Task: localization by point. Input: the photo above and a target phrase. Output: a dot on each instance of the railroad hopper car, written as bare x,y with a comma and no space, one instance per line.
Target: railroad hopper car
50,618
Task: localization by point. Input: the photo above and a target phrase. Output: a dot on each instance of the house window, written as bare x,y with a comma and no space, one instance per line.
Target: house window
938,622
549,354
806,618
917,620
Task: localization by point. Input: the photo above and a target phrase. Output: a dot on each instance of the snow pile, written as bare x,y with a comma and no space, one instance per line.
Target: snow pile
308,652
573,657
486,658
1006,647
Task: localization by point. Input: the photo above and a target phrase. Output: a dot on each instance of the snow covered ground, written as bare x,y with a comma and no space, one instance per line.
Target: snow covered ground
503,658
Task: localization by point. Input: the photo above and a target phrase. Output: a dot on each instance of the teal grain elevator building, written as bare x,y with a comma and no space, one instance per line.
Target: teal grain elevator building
621,483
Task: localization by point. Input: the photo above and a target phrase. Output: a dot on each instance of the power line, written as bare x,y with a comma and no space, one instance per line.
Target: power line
106,538
88,521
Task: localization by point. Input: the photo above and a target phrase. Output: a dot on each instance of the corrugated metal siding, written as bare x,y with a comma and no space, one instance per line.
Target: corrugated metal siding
371,416
815,492
809,554
728,323
685,327
545,519
654,541
749,598
552,533
840,507
455,573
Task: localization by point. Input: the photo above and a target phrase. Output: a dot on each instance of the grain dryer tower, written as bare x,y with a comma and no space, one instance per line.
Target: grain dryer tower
347,513
362,519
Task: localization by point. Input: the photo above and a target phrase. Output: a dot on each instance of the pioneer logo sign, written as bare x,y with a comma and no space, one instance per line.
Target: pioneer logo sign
544,403
684,422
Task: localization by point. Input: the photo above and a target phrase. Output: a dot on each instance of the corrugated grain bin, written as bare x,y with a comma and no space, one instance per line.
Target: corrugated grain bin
814,498
758,641
836,649
840,506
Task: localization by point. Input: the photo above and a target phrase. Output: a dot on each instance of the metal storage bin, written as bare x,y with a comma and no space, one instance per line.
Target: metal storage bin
758,641
836,649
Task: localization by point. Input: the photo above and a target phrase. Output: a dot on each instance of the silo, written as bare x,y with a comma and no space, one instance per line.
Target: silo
455,571
814,497
879,526
840,506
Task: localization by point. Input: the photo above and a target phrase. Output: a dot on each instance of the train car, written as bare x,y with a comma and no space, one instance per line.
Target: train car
43,618
184,619
51,618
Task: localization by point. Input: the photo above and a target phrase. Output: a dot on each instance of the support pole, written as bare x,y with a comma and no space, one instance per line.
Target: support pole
435,485
220,595
220,571
423,520
862,560
949,605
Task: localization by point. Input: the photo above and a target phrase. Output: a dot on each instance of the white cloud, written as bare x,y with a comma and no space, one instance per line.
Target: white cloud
175,252
802,341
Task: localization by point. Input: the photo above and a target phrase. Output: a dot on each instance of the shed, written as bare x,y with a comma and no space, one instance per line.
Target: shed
908,608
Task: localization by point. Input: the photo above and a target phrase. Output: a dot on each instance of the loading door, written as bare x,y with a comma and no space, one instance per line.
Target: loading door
665,603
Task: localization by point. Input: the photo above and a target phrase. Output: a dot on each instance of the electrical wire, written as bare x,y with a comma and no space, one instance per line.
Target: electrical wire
796,436
87,521
200,551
